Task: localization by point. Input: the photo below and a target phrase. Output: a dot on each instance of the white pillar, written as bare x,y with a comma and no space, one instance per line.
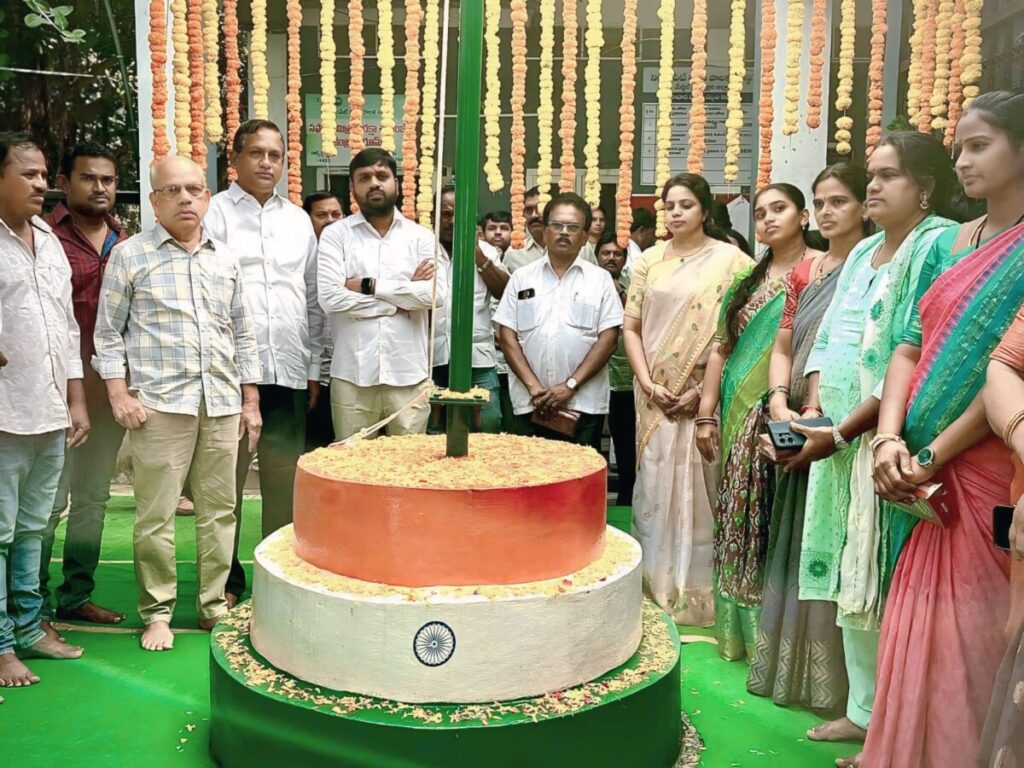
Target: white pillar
145,110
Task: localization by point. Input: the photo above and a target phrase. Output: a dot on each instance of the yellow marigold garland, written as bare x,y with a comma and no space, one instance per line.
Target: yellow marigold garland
293,102
844,89
955,92
698,85
356,99
413,21
663,135
943,49
328,87
814,84
594,40
232,81
916,56
428,137
386,62
627,123
211,51
879,28
567,122
182,84
517,180
928,61
492,96
258,57
545,105
766,104
737,71
196,75
157,67
794,53
971,60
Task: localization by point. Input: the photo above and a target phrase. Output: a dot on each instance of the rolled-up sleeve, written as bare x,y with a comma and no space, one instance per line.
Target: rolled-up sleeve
110,360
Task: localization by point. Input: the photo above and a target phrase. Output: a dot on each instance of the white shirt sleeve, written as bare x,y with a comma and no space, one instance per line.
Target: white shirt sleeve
611,307
332,272
315,315
508,307
415,294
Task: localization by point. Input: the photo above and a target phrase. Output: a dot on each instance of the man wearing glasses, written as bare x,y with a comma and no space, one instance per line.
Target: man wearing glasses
173,322
559,323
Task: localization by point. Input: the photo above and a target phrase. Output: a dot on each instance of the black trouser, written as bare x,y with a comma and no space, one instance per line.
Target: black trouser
588,430
319,426
508,419
282,441
622,425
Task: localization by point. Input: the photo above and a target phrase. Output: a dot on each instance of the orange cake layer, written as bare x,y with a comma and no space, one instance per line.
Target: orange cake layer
397,511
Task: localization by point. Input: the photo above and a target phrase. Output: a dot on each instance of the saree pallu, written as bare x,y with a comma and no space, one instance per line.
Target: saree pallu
747,488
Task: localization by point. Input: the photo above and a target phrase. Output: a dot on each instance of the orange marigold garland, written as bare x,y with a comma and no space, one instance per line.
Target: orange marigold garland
663,134
567,122
594,39
814,84
844,89
627,124
157,64
428,137
258,57
492,96
293,102
879,28
928,52
971,60
328,86
955,93
698,85
517,181
211,52
737,71
943,47
182,86
232,81
545,105
356,100
386,62
794,53
196,75
410,121
916,56
766,105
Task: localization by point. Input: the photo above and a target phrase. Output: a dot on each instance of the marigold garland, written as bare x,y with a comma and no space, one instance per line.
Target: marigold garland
928,61
328,87
356,99
794,53
492,96
545,105
814,84
698,85
879,29
567,121
386,62
594,40
737,71
157,66
258,58
970,62
663,134
293,102
410,121
943,49
182,84
916,55
211,51
517,180
844,89
766,104
232,80
196,75
955,92
428,138
627,124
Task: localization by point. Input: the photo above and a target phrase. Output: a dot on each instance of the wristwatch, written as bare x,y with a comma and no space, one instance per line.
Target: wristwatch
571,383
838,439
926,457
367,286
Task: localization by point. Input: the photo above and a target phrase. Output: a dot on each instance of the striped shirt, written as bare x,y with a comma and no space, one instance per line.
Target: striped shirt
176,325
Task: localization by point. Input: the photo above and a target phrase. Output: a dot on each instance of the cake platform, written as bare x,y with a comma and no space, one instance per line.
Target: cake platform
264,717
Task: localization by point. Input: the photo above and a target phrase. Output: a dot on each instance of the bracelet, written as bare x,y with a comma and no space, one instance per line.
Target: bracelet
705,420
885,437
1012,425
807,408
776,390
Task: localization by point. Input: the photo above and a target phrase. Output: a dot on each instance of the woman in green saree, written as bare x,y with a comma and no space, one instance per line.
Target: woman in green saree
737,379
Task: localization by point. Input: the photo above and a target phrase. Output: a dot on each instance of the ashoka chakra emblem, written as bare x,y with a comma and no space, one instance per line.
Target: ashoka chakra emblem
434,644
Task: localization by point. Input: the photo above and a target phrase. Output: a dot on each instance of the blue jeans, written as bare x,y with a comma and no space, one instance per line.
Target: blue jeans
28,484
490,414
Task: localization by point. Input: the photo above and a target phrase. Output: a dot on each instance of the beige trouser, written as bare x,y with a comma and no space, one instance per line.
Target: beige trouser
354,408
163,449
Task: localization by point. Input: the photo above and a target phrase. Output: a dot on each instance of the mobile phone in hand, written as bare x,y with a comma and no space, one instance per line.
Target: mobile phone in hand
1002,517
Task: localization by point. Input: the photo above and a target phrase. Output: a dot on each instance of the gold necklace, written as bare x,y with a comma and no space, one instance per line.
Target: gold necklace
683,255
821,268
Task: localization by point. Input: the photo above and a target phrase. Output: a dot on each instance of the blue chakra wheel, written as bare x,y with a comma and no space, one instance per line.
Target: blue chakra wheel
434,644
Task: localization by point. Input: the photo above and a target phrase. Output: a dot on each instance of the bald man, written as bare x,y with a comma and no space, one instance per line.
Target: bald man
172,321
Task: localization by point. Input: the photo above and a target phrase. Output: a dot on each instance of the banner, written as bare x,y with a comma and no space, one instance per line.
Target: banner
371,129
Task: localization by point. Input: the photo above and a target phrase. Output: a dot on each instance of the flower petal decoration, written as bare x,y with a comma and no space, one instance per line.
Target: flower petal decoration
328,86
879,29
955,92
492,96
844,89
567,121
196,76
386,63
794,54
545,105
517,104
232,79
594,39
971,60
161,145
293,102
737,71
814,84
766,110
663,133
357,63
699,83
627,123
211,51
428,136
182,83
410,122
258,58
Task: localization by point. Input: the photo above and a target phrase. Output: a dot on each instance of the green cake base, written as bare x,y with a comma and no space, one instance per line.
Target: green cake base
263,717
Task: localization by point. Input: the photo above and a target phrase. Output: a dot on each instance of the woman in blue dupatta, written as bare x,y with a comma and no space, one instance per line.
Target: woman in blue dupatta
942,635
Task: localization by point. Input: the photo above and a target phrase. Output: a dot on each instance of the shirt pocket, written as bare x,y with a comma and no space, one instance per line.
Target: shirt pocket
218,289
526,315
583,315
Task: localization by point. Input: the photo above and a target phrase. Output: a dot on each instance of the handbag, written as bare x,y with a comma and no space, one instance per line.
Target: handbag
564,421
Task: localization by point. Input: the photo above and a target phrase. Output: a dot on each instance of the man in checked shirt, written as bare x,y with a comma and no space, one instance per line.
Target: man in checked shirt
176,348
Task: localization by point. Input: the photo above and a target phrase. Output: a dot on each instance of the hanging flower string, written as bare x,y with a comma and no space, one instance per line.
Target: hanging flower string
492,96
211,52
158,63
943,49
567,121
356,100
293,102
698,85
428,137
971,60
916,55
410,120
627,124
386,62
814,84
766,105
794,53
594,39
955,93
737,71
232,78
182,86
517,181
844,89
328,88
258,57
545,105
663,134
928,61
196,75
875,68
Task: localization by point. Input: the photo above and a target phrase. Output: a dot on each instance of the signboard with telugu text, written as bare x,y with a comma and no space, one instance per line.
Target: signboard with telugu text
371,129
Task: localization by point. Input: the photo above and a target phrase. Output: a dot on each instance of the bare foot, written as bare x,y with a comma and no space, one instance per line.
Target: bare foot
157,637
850,762
48,648
52,633
232,600
14,674
842,729
92,613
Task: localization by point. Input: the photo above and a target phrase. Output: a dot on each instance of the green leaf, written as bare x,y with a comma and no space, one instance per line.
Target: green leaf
60,22
34,20
63,10
36,6
75,36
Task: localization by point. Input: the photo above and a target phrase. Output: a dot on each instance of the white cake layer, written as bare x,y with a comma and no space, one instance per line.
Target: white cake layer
446,644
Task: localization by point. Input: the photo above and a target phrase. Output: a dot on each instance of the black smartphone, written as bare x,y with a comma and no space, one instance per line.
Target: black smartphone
527,293
785,439
1002,517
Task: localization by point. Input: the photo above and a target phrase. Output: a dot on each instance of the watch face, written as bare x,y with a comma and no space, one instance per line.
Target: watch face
925,457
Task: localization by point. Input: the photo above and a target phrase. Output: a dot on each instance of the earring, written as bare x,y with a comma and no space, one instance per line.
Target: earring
924,202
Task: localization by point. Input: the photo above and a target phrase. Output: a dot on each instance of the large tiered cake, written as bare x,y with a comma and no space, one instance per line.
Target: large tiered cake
488,586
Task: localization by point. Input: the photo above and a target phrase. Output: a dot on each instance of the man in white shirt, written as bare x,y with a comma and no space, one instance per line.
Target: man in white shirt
274,240
42,403
488,282
560,319
497,229
376,284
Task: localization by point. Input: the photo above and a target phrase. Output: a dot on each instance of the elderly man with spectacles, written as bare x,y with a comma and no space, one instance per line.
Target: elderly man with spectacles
559,323
176,348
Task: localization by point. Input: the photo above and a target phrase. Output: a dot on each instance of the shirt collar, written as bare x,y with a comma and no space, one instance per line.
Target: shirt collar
161,237
358,219
35,221
237,194
61,214
575,264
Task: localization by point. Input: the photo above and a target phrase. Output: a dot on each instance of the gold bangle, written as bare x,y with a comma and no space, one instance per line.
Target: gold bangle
885,437
1012,425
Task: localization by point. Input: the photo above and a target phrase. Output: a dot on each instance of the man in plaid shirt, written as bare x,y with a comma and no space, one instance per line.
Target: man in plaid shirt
176,348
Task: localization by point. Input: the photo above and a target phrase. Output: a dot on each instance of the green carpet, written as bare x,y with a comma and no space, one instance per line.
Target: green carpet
120,706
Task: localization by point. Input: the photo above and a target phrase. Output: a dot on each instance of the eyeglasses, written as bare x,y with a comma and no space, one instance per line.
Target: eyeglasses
561,226
174,190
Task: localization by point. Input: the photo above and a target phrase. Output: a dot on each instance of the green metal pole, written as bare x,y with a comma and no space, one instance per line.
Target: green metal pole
467,164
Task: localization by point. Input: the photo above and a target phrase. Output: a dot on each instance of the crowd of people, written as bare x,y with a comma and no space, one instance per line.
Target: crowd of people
242,324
